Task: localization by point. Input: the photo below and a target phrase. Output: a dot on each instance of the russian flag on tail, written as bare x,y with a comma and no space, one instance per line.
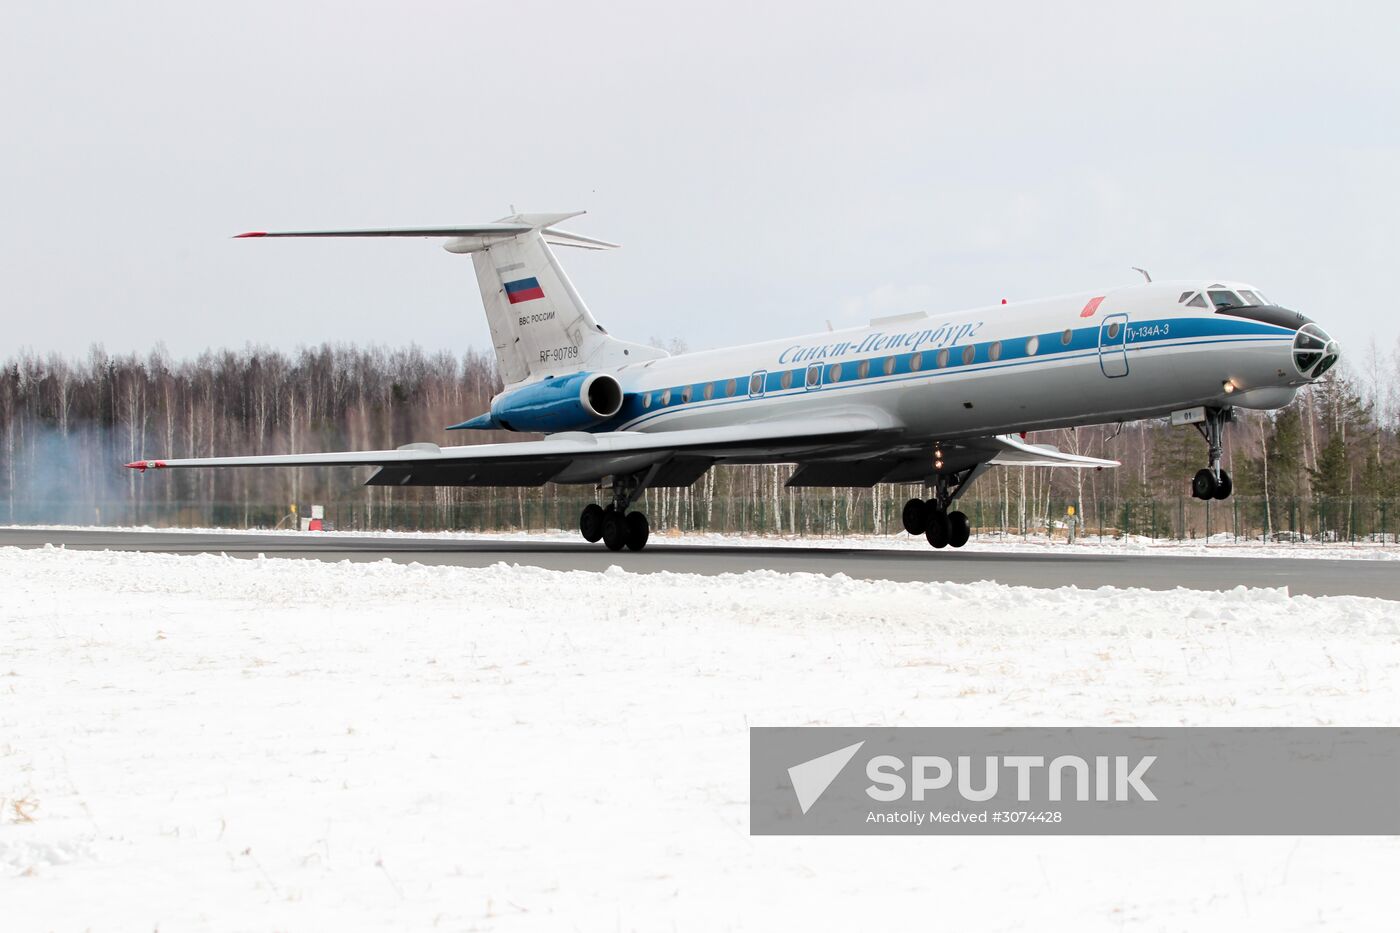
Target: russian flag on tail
524,290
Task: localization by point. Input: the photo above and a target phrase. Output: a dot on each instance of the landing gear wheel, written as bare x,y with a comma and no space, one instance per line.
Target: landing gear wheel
1203,485
939,529
638,530
916,516
1225,486
590,523
959,529
614,531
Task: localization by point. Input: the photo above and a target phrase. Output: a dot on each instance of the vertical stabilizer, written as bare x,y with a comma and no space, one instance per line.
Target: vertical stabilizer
539,324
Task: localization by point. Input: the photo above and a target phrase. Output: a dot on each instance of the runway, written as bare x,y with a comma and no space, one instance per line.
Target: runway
1302,576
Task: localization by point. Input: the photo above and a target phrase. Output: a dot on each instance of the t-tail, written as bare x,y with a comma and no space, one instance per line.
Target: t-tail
540,326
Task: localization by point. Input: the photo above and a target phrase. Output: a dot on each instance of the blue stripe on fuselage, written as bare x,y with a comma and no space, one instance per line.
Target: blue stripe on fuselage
1142,335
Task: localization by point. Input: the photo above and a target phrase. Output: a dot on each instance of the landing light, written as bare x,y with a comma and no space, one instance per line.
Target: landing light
1229,386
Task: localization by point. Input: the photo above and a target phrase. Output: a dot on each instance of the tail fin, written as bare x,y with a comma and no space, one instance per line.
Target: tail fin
539,324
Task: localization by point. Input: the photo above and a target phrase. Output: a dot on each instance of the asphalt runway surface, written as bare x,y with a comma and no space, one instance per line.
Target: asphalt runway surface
1311,576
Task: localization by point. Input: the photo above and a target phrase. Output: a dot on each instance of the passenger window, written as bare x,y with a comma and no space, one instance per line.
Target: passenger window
994,351
709,391
785,380
756,384
889,365
1198,302
863,369
646,401
916,362
942,359
730,387
685,395
1032,345
969,354
814,375
666,397
1067,336
834,373
1113,330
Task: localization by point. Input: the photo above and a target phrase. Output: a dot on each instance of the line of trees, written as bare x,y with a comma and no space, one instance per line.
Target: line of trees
1329,463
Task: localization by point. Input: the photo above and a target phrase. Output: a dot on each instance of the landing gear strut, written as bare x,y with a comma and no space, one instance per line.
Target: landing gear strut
1213,482
932,519
614,525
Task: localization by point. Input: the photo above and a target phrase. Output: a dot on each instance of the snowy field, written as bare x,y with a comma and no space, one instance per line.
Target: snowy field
199,742
988,544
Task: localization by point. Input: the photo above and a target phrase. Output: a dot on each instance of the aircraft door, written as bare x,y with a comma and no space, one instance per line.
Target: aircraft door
1113,346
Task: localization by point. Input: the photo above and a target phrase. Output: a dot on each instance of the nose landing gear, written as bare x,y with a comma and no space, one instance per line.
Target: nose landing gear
1213,482
614,525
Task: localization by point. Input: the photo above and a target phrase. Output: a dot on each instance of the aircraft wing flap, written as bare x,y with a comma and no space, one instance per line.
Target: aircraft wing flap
1013,451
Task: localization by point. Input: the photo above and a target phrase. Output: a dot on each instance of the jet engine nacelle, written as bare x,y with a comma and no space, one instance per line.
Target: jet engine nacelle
559,403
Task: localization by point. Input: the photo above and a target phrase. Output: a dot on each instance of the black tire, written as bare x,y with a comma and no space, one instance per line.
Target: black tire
939,529
1203,485
915,516
590,523
959,529
1225,486
638,530
614,531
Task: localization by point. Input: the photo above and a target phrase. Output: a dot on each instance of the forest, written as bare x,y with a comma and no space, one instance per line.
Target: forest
1328,466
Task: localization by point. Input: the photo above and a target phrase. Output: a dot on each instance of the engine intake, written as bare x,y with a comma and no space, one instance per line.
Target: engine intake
559,403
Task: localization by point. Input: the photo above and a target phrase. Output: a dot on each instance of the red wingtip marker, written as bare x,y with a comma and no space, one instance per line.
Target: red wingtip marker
144,465
250,233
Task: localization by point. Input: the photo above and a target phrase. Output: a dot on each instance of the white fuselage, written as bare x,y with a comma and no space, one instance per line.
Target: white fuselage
1127,353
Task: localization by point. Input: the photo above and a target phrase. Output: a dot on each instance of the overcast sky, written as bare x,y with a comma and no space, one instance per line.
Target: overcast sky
766,166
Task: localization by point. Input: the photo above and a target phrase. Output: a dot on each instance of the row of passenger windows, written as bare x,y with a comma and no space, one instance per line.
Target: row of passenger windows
836,372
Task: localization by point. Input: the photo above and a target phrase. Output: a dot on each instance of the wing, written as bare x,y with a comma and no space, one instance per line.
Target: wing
680,457
914,463
1013,451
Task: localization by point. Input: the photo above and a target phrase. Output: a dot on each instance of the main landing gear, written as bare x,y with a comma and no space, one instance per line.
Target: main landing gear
1213,482
613,524
932,519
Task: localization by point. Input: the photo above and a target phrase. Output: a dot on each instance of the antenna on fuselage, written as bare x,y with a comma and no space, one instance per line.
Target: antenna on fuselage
1144,272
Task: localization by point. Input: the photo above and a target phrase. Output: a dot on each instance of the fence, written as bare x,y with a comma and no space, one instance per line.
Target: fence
806,512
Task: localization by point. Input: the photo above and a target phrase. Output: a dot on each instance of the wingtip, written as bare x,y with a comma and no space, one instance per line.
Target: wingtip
244,236
143,465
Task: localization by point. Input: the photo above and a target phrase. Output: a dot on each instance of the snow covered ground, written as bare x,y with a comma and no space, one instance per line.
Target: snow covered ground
1010,544
198,742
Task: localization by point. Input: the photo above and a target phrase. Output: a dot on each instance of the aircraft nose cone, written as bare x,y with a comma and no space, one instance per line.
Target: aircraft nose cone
1314,352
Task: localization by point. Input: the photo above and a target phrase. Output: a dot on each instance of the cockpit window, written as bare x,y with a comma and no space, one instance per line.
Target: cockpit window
1225,299
1197,301
1184,296
1251,298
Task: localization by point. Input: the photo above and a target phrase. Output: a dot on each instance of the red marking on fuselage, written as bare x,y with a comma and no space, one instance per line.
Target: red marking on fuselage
1091,306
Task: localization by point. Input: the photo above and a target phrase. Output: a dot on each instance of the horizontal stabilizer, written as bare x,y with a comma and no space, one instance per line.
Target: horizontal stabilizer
503,229
495,229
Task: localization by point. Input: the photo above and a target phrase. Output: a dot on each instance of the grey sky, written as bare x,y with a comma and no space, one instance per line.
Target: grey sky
766,166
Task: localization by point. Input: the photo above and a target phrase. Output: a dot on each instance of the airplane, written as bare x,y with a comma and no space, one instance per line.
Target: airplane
924,398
